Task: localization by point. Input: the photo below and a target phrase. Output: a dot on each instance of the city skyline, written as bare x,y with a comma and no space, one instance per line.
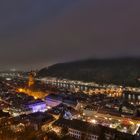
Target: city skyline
69,69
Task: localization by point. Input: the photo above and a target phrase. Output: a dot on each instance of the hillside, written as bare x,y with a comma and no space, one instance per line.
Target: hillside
116,71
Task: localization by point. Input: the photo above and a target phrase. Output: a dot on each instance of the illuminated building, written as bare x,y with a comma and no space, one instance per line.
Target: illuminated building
132,97
37,106
79,129
89,111
91,131
29,90
35,94
31,79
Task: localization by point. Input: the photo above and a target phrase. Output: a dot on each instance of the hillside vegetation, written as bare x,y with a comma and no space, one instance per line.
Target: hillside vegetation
115,71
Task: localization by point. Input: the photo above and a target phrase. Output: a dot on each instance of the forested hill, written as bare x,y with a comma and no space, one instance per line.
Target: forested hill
115,71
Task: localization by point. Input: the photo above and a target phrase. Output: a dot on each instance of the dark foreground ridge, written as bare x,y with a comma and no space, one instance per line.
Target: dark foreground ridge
124,71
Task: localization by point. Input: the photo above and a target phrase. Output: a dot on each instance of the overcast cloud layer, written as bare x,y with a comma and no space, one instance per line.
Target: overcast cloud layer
37,33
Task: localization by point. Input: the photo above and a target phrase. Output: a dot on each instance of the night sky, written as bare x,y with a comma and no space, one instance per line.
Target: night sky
38,33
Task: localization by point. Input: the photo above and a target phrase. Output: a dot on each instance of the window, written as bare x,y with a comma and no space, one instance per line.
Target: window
134,97
129,96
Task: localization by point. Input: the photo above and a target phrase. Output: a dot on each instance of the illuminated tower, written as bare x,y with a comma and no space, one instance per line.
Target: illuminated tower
31,79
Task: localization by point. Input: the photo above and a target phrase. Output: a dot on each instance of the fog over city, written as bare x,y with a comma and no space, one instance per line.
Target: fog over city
38,33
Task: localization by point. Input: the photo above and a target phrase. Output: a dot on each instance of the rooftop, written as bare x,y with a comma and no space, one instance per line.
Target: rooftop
79,125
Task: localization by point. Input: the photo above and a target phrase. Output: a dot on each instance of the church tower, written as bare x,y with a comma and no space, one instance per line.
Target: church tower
31,80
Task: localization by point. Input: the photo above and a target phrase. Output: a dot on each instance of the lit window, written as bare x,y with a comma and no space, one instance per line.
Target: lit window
129,96
134,97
